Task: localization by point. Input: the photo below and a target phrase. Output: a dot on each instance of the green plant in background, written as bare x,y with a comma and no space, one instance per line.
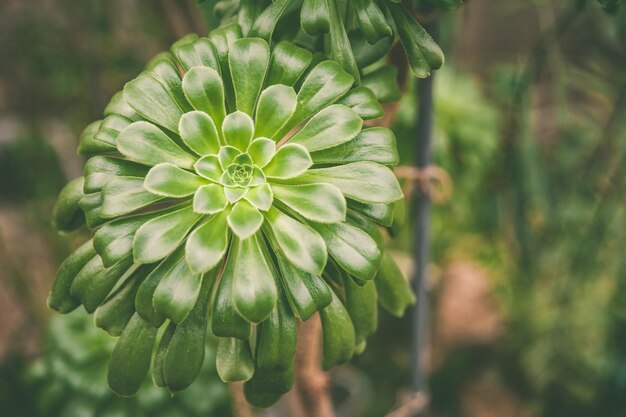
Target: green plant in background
218,184
67,380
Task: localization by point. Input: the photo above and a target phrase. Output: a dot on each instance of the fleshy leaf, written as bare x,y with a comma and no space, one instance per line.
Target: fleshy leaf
362,181
244,219
338,334
361,306
323,203
276,106
123,195
67,214
234,360
198,131
145,293
185,353
197,53
394,292
307,293
300,243
352,248
288,63
363,102
177,291
260,196
249,59
339,44
209,167
371,20
227,155
130,359
91,204
204,89
238,129
266,22
383,82
207,244
170,181
289,161
116,311
262,150
89,145
330,127
324,85
315,17
423,53
153,100
101,169
380,213
209,199
147,144
60,298
376,144
114,240
161,236
225,320
254,289
222,39
234,194
94,282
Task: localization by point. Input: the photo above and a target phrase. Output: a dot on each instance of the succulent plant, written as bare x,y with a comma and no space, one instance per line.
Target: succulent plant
218,184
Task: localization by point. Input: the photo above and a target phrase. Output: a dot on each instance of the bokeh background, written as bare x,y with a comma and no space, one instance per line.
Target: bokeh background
528,270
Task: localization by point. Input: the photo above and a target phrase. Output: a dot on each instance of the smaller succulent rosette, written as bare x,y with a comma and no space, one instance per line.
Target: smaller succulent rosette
232,188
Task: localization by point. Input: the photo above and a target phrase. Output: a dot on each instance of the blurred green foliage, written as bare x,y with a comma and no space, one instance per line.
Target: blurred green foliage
70,379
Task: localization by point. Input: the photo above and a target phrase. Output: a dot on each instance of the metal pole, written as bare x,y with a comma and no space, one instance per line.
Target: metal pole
420,313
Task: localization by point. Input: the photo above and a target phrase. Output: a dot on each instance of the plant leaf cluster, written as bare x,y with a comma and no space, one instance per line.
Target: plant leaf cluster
232,186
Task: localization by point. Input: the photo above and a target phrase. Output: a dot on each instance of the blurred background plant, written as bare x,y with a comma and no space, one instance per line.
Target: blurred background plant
528,269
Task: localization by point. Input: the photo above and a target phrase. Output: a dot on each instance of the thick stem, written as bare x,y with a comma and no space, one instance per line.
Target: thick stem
241,408
311,383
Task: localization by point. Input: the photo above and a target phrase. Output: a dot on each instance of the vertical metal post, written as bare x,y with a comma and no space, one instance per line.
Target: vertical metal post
420,313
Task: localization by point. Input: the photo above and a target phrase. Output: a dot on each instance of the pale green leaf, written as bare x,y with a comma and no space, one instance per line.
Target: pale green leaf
244,219
124,195
352,248
168,180
254,289
145,143
176,293
324,85
161,236
209,167
367,182
234,360
260,196
332,126
209,199
363,102
238,130
307,293
197,53
101,169
198,131
377,144
262,150
207,244
249,59
234,194
289,161
323,203
301,245
204,89
276,106
288,63
153,100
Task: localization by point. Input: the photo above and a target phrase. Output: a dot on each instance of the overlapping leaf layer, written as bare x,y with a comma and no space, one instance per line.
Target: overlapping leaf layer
232,188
